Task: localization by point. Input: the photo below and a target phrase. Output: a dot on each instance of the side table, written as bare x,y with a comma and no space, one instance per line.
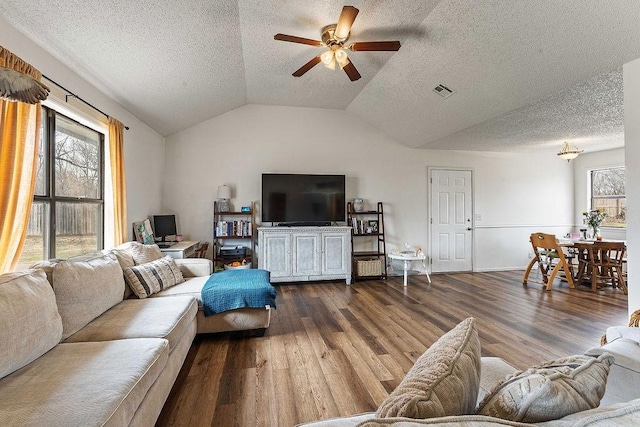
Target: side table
408,259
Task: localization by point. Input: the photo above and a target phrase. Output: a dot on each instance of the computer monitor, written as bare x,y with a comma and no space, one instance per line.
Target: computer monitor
164,225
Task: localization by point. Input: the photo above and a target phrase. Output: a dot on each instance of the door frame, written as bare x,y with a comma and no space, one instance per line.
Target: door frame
471,170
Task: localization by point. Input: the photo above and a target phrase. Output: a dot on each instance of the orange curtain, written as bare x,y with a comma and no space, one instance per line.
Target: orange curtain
19,141
116,154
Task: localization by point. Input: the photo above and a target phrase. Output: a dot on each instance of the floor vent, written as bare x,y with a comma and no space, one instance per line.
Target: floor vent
443,91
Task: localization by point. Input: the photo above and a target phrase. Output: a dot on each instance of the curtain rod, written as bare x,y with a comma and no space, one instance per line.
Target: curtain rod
66,98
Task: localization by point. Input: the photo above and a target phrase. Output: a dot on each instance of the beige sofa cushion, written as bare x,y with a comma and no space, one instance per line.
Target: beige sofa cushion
167,318
29,319
443,381
153,277
85,288
550,391
83,384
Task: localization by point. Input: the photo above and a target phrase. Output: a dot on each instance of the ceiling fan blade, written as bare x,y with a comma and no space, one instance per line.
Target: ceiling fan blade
345,21
375,46
294,39
351,71
306,67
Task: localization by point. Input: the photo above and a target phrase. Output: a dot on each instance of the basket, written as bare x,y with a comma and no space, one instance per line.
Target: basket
239,267
369,267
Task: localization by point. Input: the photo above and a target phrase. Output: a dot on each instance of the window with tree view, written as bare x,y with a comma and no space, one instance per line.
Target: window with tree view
608,193
67,212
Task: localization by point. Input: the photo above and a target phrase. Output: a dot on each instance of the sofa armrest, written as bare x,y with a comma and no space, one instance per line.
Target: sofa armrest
615,332
194,267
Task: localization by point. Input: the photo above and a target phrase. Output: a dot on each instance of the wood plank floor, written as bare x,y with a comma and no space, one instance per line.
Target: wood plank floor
336,350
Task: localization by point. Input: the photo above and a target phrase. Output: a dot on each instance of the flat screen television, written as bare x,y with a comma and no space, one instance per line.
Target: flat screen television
164,225
301,199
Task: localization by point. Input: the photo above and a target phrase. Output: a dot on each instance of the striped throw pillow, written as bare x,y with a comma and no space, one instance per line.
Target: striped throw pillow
154,276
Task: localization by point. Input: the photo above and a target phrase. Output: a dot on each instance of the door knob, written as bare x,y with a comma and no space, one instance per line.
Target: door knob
469,228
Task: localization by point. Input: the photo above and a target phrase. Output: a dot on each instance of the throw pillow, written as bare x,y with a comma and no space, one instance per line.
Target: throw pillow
143,254
550,391
444,381
154,276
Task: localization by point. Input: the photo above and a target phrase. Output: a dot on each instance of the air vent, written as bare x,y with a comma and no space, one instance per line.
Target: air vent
443,91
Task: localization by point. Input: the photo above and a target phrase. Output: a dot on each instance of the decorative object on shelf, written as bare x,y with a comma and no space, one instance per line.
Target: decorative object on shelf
224,194
569,152
358,205
594,219
373,225
246,209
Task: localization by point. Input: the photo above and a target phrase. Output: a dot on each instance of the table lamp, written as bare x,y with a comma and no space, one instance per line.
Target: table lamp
224,194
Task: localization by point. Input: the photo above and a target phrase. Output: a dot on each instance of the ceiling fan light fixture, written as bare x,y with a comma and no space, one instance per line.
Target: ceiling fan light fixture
569,152
341,57
328,59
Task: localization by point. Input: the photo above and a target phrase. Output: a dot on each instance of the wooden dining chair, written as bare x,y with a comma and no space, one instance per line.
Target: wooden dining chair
549,256
603,264
201,252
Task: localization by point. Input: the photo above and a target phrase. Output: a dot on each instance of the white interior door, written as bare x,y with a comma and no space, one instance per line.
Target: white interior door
451,220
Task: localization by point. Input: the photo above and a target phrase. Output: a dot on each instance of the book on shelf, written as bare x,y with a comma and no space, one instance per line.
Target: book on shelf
239,228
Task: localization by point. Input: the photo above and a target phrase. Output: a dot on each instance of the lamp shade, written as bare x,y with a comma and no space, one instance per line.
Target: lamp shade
224,192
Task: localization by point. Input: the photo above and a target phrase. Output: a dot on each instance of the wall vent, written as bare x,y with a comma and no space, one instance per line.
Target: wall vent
443,91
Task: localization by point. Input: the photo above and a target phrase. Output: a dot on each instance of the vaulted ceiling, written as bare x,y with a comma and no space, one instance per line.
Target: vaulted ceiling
527,74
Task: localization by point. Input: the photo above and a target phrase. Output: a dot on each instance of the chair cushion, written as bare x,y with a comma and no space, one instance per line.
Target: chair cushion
31,325
154,276
550,391
167,318
444,381
83,384
85,288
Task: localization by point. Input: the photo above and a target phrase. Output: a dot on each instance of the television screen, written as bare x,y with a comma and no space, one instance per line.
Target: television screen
164,225
303,198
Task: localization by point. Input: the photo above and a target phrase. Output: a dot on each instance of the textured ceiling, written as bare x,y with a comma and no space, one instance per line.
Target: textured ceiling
527,74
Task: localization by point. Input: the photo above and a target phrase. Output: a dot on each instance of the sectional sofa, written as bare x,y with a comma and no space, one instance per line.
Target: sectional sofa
77,350
451,385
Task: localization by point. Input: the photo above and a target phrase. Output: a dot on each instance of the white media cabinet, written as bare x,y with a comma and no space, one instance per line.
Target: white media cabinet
299,254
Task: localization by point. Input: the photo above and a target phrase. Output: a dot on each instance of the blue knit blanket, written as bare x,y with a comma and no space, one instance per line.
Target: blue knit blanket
231,289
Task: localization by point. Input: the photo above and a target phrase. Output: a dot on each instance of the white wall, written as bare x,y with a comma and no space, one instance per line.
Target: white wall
144,148
514,194
632,154
583,164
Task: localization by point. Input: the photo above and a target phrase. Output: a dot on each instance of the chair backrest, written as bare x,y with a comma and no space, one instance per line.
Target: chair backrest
608,254
544,241
201,252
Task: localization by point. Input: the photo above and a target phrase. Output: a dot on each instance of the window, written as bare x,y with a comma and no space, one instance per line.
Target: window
608,193
68,206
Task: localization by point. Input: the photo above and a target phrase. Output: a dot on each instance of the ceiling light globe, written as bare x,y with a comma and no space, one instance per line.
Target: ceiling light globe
341,56
327,57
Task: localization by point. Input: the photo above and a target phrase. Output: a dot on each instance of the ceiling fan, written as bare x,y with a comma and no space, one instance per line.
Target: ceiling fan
334,37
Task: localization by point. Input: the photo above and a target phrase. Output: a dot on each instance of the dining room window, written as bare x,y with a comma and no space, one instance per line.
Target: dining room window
608,193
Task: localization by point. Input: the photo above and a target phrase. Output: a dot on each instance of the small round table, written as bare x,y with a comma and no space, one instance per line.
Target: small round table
408,259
